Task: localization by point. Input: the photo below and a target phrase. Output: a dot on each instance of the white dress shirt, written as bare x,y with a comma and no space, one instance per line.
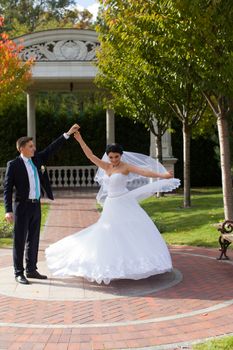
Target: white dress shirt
31,178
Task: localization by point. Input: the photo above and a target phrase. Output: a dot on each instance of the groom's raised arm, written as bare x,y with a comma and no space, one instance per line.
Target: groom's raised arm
56,145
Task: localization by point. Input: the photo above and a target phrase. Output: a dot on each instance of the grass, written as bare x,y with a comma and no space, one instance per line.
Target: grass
219,344
6,229
193,226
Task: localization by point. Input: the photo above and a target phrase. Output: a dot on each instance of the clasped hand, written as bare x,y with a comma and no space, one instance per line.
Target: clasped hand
74,128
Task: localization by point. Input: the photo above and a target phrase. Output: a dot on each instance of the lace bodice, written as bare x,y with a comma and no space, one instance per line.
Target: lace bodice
115,184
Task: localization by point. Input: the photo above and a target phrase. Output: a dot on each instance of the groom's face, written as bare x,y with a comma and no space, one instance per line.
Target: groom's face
28,149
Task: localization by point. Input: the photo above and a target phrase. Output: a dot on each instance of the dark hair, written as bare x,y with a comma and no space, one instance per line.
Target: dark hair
115,148
21,142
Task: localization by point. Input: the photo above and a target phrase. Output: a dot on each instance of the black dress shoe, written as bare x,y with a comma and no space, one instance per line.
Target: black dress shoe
21,279
36,274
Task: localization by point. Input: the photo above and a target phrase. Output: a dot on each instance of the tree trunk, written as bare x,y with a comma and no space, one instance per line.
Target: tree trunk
223,134
186,158
159,147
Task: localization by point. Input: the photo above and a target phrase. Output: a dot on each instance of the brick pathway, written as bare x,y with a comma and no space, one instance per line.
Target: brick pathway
163,312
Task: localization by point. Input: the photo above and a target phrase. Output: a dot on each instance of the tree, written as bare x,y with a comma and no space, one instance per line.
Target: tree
205,34
132,90
132,85
149,30
202,40
189,107
23,16
214,51
14,74
79,19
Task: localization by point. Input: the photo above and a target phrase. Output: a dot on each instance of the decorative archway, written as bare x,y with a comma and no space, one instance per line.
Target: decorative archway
65,61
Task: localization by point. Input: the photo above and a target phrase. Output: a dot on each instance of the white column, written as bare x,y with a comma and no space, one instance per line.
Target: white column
31,115
167,145
110,126
153,146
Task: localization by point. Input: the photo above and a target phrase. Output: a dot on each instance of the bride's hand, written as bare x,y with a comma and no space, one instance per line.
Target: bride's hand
168,175
73,129
77,136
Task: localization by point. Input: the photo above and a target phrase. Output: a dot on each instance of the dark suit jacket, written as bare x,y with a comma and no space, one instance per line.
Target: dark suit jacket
17,177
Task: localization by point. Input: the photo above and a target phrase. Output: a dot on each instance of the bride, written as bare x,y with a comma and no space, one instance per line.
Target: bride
124,243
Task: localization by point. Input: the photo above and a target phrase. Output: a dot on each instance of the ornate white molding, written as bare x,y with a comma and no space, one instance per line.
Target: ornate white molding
62,50
62,56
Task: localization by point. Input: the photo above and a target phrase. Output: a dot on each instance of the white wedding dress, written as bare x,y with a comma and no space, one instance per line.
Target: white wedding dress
123,244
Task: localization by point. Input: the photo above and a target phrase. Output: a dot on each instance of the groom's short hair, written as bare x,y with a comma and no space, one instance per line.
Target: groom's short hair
21,142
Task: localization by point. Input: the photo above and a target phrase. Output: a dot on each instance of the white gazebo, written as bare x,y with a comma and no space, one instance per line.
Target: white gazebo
65,61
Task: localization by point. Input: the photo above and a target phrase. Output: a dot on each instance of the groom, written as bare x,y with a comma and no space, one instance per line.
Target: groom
25,175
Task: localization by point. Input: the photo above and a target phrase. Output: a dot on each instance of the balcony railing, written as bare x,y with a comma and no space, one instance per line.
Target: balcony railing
72,176
66,176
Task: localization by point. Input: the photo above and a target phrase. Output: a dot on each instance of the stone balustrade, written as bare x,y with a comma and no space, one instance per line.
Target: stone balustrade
66,176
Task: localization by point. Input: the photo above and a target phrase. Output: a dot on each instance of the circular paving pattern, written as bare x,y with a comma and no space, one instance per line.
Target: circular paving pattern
74,288
75,303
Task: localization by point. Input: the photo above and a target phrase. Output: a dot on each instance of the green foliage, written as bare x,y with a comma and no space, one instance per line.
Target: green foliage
14,74
149,43
27,16
132,84
5,230
225,343
186,44
151,65
13,124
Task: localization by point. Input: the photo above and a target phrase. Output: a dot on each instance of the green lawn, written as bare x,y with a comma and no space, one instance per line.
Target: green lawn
6,229
192,226
225,343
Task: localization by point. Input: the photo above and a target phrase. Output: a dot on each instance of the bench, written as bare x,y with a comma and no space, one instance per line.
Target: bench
226,238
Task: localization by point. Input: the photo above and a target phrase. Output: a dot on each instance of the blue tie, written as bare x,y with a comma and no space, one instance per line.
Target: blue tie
36,178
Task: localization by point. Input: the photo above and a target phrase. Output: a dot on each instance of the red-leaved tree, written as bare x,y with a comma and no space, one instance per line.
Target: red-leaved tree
14,73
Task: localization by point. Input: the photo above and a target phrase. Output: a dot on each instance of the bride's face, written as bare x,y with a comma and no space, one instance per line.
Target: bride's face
114,158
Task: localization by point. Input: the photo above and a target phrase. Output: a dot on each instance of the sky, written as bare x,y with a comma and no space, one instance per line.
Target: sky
91,5
85,3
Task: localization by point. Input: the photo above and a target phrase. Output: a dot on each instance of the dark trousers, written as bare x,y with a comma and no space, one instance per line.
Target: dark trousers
26,236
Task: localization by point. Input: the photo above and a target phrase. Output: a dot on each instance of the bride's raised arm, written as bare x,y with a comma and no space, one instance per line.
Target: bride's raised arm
88,152
148,173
